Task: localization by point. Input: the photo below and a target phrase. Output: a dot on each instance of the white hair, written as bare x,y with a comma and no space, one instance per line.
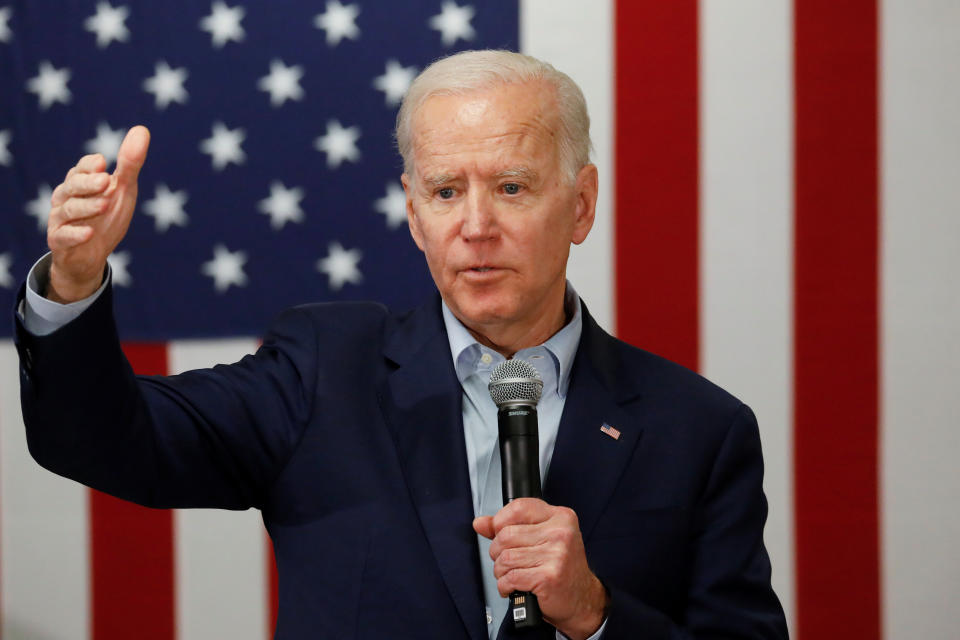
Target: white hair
470,71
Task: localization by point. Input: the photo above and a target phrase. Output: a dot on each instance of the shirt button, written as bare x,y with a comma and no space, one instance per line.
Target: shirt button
486,358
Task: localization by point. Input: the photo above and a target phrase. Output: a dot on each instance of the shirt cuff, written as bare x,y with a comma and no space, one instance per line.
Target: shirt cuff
596,636
41,316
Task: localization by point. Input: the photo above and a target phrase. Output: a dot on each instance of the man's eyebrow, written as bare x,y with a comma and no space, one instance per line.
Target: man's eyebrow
524,173
439,179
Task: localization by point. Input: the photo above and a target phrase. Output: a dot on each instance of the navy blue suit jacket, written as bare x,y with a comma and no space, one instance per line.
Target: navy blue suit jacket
345,430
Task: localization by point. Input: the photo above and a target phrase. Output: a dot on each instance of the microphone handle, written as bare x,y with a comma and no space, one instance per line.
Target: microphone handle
520,465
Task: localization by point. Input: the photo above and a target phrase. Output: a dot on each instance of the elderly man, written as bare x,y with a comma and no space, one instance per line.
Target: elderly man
367,438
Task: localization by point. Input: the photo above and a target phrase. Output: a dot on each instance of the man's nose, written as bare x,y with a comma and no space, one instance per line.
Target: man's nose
479,218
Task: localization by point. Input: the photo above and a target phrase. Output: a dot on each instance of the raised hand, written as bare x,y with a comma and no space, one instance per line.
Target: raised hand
90,213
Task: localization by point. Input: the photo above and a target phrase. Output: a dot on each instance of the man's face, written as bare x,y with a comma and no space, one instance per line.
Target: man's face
492,208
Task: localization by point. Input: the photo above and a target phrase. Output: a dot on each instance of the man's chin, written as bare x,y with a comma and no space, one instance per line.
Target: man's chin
477,315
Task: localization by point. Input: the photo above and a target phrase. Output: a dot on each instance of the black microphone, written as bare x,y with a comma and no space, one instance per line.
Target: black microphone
515,387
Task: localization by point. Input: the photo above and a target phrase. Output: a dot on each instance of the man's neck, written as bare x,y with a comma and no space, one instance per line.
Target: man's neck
509,339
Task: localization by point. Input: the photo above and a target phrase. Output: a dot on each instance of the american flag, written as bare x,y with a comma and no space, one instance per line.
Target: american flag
778,211
613,432
272,179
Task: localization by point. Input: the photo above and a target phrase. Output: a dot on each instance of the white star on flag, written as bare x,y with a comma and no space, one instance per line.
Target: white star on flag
393,205
453,22
340,265
395,81
166,208
223,23
166,85
6,158
283,205
339,21
226,268
5,33
107,142
108,24
283,83
224,146
339,144
6,278
39,207
50,85
119,262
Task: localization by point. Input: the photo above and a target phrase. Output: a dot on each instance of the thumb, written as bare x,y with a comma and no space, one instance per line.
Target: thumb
484,526
132,154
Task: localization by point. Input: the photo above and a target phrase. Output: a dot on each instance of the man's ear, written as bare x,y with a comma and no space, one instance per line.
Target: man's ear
413,222
586,210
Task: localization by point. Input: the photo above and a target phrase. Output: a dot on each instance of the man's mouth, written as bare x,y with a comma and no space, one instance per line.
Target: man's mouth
481,269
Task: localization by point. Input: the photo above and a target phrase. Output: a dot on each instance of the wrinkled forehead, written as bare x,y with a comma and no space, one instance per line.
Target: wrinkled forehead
506,118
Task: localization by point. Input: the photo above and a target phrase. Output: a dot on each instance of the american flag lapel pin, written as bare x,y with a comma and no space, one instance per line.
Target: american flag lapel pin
610,431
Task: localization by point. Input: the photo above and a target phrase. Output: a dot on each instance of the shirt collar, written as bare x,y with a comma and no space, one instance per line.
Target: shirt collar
562,346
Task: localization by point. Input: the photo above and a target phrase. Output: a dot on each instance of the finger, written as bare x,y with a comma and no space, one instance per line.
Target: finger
93,163
132,154
484,526
76,209
520,558
522,511
68,236
80,185
517,535
520,580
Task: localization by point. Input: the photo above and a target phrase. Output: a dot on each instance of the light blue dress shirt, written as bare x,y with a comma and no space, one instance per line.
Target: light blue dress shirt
41,316
474,363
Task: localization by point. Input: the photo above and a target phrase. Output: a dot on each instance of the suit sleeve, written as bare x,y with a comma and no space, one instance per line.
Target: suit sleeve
729,593
209,438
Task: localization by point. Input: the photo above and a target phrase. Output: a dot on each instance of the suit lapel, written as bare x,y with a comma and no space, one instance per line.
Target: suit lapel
421,401
587,463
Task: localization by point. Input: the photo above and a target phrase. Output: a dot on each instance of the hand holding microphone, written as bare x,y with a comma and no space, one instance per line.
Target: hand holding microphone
537,547
515,387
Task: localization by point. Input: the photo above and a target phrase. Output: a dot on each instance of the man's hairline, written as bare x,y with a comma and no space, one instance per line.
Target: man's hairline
571,174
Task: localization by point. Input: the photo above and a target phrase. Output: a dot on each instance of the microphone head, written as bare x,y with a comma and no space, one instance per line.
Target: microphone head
515,382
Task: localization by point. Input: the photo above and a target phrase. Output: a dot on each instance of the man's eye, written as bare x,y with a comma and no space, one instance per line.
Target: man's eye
445,194
511,188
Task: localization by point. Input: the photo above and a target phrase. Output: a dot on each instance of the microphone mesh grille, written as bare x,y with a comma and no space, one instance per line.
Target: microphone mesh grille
514,380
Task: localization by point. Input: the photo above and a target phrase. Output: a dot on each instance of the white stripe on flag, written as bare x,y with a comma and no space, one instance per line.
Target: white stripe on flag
920,298
44,558
746,204
221,579
577,39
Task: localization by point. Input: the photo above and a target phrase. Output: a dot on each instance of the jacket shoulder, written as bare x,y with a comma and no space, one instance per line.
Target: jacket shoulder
665,377
338,317
669,395
330,331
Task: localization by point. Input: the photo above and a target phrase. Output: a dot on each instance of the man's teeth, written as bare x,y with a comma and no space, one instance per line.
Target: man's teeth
482,268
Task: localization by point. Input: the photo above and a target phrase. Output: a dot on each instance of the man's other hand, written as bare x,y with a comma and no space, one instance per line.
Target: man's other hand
90,213
538,547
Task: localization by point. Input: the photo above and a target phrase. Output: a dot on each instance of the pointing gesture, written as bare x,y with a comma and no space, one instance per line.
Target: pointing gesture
90,214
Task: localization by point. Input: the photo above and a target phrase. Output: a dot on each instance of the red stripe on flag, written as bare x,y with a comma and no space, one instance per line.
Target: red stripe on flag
656,157
836,320
132,553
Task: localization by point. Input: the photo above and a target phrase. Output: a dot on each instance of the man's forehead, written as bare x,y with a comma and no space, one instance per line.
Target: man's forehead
505,104
505,130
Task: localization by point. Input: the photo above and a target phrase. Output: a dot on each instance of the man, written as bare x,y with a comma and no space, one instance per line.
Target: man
367,438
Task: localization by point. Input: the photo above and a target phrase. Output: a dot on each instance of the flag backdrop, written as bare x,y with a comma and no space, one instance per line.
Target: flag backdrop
778,210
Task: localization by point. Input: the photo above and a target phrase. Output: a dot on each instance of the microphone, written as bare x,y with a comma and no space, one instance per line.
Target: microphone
515,387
